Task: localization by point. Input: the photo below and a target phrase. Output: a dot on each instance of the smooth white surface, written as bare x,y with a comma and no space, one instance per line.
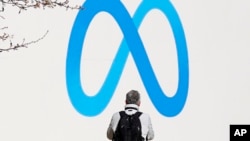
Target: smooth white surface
34,103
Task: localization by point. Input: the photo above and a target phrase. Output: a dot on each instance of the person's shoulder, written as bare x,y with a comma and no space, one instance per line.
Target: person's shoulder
116,115
145,115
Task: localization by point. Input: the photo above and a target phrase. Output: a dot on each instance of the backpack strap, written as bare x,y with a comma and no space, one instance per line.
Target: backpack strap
122,113
117,133
137,114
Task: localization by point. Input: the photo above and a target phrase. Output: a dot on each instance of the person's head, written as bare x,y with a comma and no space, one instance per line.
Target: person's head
133,97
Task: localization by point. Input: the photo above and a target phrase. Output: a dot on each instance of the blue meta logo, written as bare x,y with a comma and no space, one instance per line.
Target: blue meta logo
94,105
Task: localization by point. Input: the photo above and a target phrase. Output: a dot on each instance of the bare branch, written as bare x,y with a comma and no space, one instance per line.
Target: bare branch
23,44
25,5
2,17
4,37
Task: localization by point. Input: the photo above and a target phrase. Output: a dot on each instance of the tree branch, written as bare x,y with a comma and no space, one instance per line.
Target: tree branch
23,44
25,5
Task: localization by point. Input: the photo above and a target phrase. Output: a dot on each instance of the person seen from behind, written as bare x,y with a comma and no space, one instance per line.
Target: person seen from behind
130,124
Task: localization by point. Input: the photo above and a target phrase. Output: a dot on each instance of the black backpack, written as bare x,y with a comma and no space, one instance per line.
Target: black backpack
128,128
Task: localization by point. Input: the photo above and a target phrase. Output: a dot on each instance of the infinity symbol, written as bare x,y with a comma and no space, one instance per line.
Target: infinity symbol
93,105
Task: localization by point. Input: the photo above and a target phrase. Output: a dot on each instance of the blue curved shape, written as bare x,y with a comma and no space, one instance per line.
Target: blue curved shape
94,105
165,105
91,105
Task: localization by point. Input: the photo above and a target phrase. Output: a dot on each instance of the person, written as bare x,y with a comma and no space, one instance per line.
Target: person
132,104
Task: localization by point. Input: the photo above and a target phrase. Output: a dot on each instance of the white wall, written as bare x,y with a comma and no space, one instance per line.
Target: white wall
34,102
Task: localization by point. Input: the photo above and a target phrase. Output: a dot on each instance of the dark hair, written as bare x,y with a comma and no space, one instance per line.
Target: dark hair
132,97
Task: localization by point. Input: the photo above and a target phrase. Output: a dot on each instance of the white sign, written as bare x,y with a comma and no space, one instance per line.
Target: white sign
35,103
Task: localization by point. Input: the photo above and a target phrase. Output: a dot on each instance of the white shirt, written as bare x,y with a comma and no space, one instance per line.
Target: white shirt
146,125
